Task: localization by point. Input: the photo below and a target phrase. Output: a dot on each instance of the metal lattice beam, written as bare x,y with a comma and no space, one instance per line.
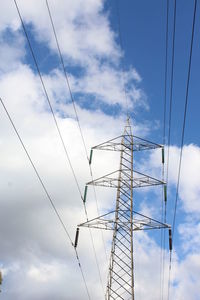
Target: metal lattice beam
140,222
112,180
138,144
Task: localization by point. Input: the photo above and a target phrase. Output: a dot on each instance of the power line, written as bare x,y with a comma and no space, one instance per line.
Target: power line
35,169
48,100
121,46
171,89
185,115
46,192
81,269
169,127
51,109
91,236
47,97
70,91
98,211
66,77
183,135
164,209
81,133
166,72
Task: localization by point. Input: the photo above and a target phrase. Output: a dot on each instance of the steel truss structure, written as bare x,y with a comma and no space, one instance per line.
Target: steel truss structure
123,221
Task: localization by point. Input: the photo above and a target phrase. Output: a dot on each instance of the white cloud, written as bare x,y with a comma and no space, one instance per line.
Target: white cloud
11,52
190,235
189,190
107,85
77,27
43,273
186,278
8,19
33,226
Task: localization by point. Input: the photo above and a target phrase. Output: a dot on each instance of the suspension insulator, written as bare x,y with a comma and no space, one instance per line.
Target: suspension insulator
165,193
163,155
76,237
91,153
170,239
85,194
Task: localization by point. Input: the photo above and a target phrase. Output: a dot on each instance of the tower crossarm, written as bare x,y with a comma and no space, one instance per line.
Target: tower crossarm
108,222
112,180
138,144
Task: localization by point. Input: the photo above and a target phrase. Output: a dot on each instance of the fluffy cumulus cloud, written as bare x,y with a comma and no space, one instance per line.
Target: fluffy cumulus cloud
185,266
189,190
98,59
37,259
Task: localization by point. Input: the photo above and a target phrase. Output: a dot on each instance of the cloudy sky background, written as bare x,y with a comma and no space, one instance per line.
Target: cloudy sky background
37,259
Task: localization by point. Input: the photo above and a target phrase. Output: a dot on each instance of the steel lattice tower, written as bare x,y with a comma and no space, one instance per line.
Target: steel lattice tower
123,220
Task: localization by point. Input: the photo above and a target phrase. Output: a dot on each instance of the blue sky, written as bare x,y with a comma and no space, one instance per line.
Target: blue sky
88,35
143,32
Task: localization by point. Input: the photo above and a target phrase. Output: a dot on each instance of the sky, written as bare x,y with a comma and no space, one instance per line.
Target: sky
37,259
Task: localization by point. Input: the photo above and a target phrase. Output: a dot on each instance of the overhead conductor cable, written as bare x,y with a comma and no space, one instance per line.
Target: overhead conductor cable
169,126
89,159
48,100
66,77
182,139
46,192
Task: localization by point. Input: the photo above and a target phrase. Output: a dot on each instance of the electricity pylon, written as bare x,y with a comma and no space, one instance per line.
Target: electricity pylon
124,220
